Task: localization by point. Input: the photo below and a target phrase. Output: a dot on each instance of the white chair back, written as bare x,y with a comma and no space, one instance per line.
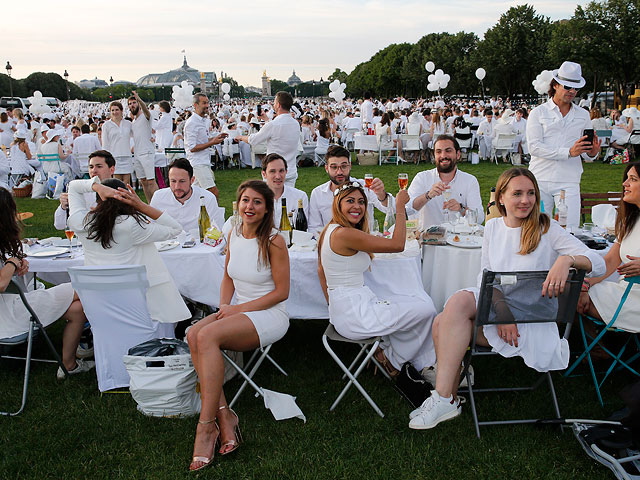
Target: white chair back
504,141
411,142
83,162
115,303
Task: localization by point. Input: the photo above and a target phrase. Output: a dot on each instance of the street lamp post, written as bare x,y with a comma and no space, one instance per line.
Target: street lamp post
313,89
9,68
66,79
110,86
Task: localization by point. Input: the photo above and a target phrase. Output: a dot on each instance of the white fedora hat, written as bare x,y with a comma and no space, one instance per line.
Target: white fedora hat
570,75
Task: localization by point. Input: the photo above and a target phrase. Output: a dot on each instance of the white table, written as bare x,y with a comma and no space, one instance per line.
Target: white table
198,274
365,142
447,269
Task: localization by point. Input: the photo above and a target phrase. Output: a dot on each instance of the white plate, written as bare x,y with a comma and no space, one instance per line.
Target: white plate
49,252
168,245
466,241
63,242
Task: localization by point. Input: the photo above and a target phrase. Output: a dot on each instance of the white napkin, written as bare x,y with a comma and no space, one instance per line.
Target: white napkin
604,215
282,406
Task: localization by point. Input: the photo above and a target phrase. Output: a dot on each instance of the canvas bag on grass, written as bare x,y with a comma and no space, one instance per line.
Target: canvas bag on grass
39,185
164,386
55,185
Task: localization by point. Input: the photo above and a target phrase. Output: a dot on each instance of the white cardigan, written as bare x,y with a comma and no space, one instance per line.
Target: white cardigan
132,244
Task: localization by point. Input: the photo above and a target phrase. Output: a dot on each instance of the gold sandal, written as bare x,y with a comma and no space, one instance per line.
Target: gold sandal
206,461
236,432
386,364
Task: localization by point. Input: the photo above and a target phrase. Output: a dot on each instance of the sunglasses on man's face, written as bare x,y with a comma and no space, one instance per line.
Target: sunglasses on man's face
568,89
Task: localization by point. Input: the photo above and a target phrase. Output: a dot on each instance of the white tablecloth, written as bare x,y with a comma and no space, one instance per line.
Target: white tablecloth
365,142
447,269
198,274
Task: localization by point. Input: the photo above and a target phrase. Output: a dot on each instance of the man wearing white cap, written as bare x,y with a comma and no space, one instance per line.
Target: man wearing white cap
557,144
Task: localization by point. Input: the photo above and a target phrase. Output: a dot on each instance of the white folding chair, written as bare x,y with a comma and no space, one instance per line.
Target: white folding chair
368,347
115,303
503,141
260,149
83,162
411,143
348,138
35,328
385,144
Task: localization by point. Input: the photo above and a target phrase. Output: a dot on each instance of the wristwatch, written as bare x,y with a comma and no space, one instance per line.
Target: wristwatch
426,195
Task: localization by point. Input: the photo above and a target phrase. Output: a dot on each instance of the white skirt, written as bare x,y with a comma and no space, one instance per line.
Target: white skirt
49,305
271,325
539,344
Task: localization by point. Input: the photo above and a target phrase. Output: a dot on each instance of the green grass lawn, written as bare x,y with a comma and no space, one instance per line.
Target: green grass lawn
70,431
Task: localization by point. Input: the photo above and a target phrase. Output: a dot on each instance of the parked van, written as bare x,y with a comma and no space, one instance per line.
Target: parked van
15,102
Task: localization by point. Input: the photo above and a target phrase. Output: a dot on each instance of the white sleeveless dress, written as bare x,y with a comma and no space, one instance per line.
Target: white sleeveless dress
356,312
606,295
253,280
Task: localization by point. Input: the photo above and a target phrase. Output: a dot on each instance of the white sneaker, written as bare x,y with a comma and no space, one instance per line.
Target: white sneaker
81,367
433,411
429,374
84,350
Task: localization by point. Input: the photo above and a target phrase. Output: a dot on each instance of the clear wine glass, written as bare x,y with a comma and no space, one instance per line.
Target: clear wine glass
472,220
447,196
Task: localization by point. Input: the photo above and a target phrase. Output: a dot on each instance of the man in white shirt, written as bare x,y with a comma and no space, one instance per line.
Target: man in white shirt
282,135
274,172
101,165
338,167
84,145
143,147
485,134
197,144
557,144
182,199
427,187
367,110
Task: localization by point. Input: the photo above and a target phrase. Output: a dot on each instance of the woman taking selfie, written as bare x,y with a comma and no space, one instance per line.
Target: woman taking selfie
522,239
257,271
345,251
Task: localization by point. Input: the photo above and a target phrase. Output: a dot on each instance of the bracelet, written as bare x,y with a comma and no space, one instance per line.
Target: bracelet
15,265
585,287
574,260
426,195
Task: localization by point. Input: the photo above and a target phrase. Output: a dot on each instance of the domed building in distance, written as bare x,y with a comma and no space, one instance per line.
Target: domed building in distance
294,80
176,77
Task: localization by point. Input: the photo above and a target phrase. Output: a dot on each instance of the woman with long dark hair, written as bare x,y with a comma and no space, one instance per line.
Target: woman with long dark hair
50,304
257,271
121,230
345,251
522,239
600,299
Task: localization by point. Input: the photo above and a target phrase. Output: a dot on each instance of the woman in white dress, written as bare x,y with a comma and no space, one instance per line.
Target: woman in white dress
345,250
116,139
164,127
522,239
622,128
53,147
600,299
50,304
257,271
6,130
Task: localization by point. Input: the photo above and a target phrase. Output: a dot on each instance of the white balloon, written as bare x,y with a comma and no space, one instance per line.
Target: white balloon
175,88
432,87
184,84
443,84
226,97
446,77
430,66
333,86
226,88
340,96
431,78
332,94
343,86
439,72
480,73
37,94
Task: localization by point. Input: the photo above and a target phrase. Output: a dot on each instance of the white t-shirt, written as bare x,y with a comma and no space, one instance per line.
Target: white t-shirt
187,214
141,129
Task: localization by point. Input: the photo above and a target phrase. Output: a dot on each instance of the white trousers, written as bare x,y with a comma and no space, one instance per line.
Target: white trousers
484,142
550,193
404,323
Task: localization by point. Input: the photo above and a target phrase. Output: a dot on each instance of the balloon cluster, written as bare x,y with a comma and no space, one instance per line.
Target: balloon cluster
542,82
437,80
226,88
337,90
481,73
182,95
38,104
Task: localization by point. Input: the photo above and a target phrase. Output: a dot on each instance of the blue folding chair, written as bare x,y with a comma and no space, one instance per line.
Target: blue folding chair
590,342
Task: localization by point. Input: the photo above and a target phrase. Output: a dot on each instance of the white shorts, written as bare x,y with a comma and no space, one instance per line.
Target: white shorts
144,166
124,165
204,176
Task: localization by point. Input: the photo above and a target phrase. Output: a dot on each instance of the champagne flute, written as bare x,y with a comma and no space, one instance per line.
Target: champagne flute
70,234
447,196
403,180
472,219
368,180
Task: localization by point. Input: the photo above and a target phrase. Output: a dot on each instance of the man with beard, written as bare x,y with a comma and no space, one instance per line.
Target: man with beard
143,148
338,167
182,199
427,187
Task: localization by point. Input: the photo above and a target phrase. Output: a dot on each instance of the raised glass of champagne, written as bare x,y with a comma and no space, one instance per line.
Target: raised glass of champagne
403,181
368,179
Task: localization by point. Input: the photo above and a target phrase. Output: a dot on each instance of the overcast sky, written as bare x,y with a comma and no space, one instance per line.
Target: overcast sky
128,39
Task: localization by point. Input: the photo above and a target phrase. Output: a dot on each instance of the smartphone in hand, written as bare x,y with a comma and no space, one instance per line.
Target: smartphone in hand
589,134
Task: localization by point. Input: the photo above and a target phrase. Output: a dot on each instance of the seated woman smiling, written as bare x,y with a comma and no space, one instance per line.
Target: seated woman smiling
522,239
345,250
